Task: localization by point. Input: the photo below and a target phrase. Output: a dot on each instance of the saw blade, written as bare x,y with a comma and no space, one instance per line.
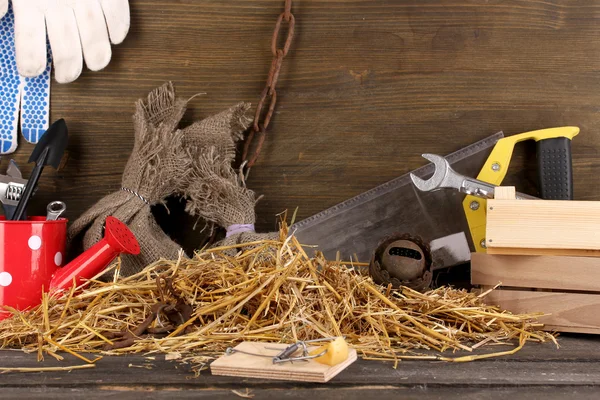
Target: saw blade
354,227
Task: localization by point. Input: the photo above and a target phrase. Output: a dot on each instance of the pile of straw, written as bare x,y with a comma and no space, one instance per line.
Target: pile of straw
272,292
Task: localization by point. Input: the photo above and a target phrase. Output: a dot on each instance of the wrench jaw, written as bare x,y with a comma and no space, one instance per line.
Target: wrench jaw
11,187
439,179
13,170
418,182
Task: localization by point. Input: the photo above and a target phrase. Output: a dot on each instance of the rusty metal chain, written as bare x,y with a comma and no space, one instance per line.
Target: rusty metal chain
268,97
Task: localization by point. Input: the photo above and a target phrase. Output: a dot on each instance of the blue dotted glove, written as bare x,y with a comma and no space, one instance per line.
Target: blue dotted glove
29,97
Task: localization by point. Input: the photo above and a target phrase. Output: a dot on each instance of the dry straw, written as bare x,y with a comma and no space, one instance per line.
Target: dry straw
271,292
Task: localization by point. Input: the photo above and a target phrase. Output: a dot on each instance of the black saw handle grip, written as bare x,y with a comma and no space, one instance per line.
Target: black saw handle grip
555,172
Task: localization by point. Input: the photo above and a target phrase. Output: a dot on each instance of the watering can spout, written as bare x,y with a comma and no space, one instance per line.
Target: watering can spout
117,239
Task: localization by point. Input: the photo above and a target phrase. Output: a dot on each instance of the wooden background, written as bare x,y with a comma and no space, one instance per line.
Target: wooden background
367,87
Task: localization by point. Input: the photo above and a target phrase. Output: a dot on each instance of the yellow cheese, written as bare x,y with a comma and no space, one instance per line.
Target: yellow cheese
337,352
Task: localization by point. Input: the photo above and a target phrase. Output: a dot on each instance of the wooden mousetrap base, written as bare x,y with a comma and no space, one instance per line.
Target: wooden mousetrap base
248,366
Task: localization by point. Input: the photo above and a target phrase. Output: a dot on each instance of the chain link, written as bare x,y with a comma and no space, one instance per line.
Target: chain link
268,97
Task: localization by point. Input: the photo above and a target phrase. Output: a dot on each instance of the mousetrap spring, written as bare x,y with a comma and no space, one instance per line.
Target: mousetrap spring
287,354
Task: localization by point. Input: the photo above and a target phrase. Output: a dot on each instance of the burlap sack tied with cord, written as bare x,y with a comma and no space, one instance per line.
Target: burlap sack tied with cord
219,194
160,166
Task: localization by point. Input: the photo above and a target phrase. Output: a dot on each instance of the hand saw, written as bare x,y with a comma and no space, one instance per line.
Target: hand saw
554,170
354,227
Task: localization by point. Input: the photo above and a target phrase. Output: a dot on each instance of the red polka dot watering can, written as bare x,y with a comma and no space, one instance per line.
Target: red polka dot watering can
32,254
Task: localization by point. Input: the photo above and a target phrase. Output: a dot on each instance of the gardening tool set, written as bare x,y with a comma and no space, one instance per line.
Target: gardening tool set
33,249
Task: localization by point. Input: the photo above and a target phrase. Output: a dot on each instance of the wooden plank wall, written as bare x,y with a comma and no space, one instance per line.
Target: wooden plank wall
368,86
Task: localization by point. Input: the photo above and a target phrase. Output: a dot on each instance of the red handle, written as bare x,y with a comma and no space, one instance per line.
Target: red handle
117,239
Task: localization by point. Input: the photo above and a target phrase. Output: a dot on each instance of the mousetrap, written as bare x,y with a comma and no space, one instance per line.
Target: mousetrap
296,362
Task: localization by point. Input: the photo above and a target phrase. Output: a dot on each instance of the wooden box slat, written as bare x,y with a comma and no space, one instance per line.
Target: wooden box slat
532,284
568,312
544,272
548,225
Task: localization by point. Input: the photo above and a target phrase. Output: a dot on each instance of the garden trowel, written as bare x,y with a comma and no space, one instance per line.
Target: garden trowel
352,229
48,151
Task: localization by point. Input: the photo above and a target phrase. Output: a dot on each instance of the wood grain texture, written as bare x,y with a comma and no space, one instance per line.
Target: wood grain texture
537,371
572,329
331,392
542,272
566,310
512,251
543,224
367,87
251,366
504,193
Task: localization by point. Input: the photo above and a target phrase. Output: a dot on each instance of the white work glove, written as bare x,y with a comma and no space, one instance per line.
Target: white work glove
27,97
74,27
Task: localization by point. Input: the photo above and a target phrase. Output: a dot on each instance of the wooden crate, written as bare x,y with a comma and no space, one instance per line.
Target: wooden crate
545,255
566,288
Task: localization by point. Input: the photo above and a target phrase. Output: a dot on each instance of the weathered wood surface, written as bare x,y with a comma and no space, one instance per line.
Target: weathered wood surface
339,393
535,372
368,86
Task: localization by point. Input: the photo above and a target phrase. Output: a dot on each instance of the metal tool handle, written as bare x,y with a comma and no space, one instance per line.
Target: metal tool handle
486,190
477,188
30,187
555,168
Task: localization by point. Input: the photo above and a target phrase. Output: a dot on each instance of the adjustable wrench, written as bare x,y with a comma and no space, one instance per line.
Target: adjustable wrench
445,177
11,187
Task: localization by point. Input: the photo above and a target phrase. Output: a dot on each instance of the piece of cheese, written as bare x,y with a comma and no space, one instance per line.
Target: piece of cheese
337,352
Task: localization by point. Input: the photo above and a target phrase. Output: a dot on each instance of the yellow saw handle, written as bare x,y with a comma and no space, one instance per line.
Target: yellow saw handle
494,170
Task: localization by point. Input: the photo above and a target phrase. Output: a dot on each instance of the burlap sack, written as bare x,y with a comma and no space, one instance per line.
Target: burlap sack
218,194
160,166
219,133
